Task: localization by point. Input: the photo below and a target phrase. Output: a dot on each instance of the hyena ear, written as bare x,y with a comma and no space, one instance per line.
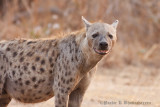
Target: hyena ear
115,24
87,23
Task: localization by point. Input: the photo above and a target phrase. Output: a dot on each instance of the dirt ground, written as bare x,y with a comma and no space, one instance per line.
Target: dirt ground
115,87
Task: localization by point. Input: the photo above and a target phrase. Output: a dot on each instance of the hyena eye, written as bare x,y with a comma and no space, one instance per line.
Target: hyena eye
95,35
111,36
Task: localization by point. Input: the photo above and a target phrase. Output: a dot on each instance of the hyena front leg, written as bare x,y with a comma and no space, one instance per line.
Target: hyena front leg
76,96
62,87
61,100
61,94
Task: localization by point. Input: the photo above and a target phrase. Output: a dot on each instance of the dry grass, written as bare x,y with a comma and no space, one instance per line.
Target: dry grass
131,72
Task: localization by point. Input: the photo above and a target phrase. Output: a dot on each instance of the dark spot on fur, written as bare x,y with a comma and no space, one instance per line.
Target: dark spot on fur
69,73
14,54
30,90
76,50
16,82
21,73
43,62
30,42
71,79
30,54
58,83
33,47
1,67
68,88
38,98
22,91
67,81
60,102
59,68
21,84
19,79
8,49
6,59
23,40
66,73
21,59
72,59
43,50
42,70
43,80
24,99
15,89
35,86
50,60
63,99
21,53
39,81
3,45
10,63
30,100
49,84
61,78
53,53
58,96
13,72
27,64
37,58
25,68
50,71
64,81
18,99
62,90
47,93
27,82
4,71
70,50
33,79
33,68
51,65
76,58
70,45
39,91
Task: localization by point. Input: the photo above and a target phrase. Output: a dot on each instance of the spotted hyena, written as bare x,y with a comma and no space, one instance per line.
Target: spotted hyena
33,71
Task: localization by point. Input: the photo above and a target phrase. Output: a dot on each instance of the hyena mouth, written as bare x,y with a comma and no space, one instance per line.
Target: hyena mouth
101,52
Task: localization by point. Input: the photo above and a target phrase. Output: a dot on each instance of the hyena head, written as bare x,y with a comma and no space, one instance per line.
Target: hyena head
100,36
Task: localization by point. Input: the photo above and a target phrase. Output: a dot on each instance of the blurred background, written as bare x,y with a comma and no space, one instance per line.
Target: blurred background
132,70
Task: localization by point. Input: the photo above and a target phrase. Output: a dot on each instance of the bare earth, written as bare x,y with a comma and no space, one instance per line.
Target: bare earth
132,83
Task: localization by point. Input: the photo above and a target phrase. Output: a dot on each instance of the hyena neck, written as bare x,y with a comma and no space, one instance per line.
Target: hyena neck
76,50
89,57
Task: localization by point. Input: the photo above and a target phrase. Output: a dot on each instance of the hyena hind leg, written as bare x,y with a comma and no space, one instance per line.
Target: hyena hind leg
3,61
4,97
76,96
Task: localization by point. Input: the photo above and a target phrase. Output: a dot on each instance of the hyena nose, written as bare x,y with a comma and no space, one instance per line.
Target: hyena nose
103,45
